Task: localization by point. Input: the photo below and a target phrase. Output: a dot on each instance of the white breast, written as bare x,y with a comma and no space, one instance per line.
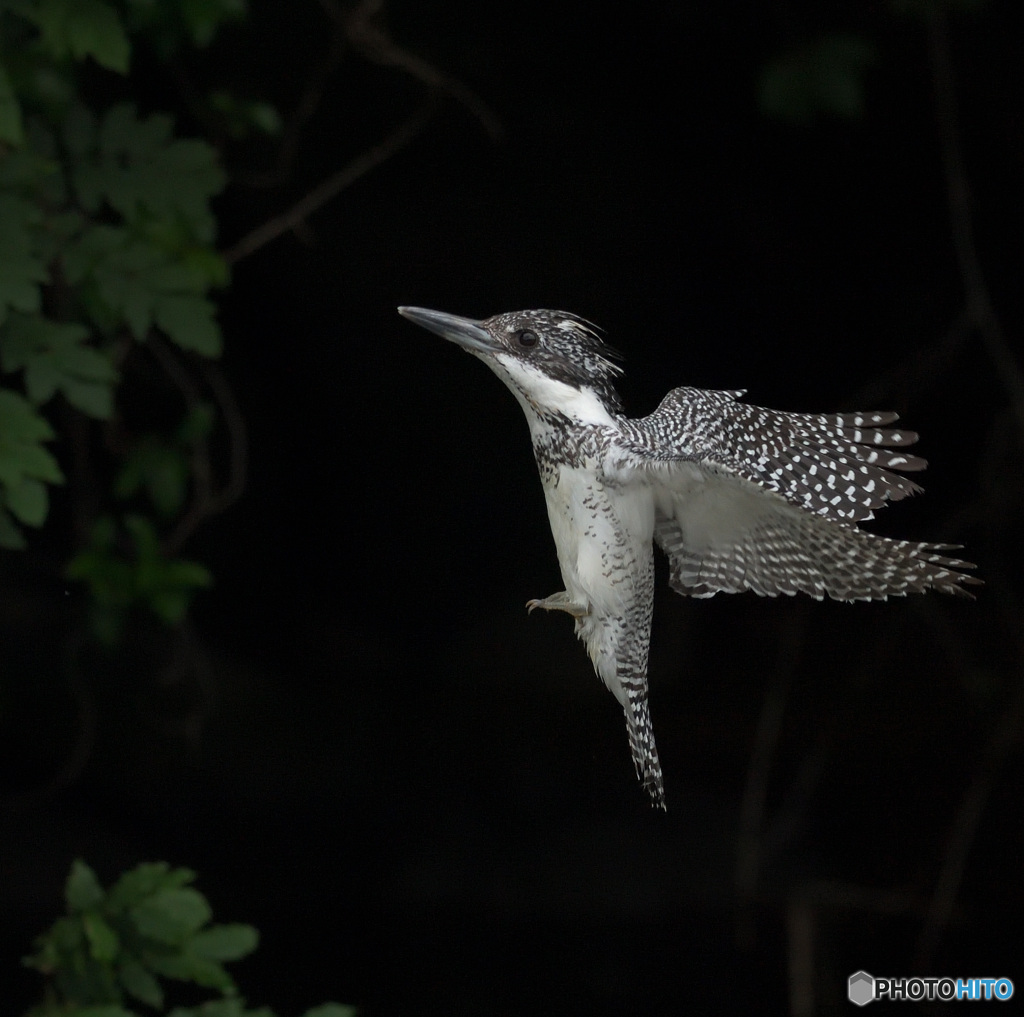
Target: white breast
602,534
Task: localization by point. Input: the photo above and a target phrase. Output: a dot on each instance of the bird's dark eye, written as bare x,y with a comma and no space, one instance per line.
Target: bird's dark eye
525,337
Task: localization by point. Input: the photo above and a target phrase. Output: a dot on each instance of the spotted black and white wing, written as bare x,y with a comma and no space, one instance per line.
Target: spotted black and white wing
750,498
838,465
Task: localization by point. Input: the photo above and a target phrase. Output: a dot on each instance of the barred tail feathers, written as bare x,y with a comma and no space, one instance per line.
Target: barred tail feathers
642,744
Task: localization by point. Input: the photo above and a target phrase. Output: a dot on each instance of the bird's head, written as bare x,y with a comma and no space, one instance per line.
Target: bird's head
554,362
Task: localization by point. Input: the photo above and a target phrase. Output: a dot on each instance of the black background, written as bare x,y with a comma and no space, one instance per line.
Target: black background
421,796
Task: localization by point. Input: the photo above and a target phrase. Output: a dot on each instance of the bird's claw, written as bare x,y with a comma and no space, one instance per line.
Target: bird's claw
558,602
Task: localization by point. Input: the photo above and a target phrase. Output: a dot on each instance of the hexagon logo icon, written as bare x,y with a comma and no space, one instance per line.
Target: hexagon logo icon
860,988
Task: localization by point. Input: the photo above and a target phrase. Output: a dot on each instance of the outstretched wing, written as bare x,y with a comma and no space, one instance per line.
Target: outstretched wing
723,534
755,499
837,465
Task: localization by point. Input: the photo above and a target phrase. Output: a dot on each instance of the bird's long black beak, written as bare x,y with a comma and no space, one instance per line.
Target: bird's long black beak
469,334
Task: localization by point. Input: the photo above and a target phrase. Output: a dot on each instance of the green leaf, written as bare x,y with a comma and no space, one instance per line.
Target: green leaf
225,942
106,1010
82,890
149,878
84,28
92,247
103,941
204,17
19,419
24,335
265,118
147,544
167,483
93,398
111,581
136,277
55,357
230,1007
123,134
142,170
171,916
189,321
67,935
21,269
207,266
55,232
170,606
186,967
10,536
24,462
10,112
197,424
159,468
166,587
242,117
138,982
188,574
27,501
22,169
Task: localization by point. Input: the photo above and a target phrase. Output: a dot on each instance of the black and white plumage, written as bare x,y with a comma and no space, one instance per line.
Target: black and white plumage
737,496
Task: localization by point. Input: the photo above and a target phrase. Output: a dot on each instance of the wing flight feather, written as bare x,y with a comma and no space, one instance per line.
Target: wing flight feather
749,498
837,465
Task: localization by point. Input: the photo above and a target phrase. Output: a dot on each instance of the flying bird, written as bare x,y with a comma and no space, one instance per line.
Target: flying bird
737,496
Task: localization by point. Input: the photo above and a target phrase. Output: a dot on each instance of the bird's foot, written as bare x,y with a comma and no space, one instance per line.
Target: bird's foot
559,602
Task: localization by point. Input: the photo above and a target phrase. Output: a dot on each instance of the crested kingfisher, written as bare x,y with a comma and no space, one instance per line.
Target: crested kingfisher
737,496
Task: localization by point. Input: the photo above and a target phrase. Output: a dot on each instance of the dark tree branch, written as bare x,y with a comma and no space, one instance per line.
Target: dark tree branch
305,108
978,300
360,28
979,314
372,41
238,439
205,501
401,136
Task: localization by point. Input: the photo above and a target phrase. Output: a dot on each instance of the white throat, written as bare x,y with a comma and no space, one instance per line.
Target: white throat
539,393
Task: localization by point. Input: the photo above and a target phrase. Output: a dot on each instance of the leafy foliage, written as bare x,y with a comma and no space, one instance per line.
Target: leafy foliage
56,358
114,947
106,242
124,573
81,28
25,466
